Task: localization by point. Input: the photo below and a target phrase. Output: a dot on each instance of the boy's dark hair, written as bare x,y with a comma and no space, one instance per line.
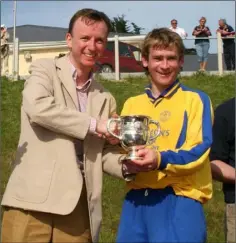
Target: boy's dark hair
89,16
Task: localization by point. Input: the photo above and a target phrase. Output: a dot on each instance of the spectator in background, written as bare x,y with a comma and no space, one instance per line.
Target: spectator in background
4,50
222,158
228,44
180,31
202,45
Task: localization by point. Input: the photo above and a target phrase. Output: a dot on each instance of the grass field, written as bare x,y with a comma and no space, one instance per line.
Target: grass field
218,88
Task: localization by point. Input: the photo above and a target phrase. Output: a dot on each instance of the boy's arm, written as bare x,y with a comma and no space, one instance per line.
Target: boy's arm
193,146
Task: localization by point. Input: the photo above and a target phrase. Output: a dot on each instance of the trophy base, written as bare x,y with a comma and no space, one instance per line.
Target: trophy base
132,155
129,177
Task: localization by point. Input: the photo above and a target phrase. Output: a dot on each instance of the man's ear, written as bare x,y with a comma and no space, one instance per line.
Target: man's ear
69,40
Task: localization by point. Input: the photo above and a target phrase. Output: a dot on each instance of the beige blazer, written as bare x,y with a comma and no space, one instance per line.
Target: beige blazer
46,177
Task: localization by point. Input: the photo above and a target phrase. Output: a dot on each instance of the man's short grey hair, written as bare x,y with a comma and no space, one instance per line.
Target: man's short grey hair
223,20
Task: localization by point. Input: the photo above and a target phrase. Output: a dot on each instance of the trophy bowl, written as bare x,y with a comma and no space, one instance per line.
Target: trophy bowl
134,130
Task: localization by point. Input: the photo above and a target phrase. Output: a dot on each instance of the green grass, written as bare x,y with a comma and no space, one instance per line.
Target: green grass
218,88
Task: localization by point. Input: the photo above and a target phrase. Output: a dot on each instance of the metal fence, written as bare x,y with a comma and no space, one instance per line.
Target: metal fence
16,47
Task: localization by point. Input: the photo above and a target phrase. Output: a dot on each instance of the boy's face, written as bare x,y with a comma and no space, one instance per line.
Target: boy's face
163,65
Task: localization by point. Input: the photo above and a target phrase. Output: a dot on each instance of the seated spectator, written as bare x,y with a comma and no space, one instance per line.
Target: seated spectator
228,44
180,31
202,45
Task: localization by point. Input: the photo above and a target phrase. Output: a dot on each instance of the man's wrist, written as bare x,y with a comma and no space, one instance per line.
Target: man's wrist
101,127
93,125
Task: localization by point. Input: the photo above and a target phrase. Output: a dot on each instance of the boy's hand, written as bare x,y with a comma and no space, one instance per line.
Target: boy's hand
148,159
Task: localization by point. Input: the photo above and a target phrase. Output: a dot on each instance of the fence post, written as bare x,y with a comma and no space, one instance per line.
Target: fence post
219,53
16,60
13,58
117,61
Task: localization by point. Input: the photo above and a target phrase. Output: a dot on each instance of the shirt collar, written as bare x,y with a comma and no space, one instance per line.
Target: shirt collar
174,28
86,85
168,92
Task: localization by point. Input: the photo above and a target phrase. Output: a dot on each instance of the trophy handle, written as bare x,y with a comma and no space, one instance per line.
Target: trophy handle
109,125
153,134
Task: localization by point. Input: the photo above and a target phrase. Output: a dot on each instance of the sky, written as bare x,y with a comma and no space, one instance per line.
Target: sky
146,14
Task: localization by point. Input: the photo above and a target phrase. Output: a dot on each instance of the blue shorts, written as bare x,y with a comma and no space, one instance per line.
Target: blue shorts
158,215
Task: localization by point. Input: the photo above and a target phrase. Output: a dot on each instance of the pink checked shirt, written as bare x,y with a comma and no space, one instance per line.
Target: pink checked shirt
82,94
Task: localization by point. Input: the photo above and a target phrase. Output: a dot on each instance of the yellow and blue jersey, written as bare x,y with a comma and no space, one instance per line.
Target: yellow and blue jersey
183,146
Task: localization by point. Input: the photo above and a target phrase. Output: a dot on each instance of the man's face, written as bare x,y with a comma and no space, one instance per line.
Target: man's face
221,23
174,24
163,65
87,42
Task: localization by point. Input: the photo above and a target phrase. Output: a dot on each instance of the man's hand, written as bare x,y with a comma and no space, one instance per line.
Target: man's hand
224,32
102,131
112,140
115,129
101,128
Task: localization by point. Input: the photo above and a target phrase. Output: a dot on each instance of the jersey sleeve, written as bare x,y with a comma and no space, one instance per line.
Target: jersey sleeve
193,145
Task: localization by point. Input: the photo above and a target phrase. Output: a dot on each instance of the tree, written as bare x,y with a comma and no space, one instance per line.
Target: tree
136,28
121,25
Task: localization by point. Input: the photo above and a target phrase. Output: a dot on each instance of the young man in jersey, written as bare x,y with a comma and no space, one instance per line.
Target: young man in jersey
173,178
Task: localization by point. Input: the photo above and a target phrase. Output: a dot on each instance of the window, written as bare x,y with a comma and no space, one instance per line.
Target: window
124,50
110,46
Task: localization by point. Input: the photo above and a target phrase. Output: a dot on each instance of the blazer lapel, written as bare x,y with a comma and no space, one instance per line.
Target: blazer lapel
95,107
96,101
64,71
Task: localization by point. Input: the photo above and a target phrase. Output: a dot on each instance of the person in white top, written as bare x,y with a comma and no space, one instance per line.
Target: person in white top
182,33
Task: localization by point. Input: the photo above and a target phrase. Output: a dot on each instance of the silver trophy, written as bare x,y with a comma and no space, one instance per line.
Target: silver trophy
134,130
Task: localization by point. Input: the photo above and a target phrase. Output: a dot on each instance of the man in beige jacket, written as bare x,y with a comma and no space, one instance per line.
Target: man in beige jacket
54,191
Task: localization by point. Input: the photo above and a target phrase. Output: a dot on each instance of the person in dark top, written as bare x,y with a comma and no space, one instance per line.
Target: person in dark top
228,44
222,158
202,45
